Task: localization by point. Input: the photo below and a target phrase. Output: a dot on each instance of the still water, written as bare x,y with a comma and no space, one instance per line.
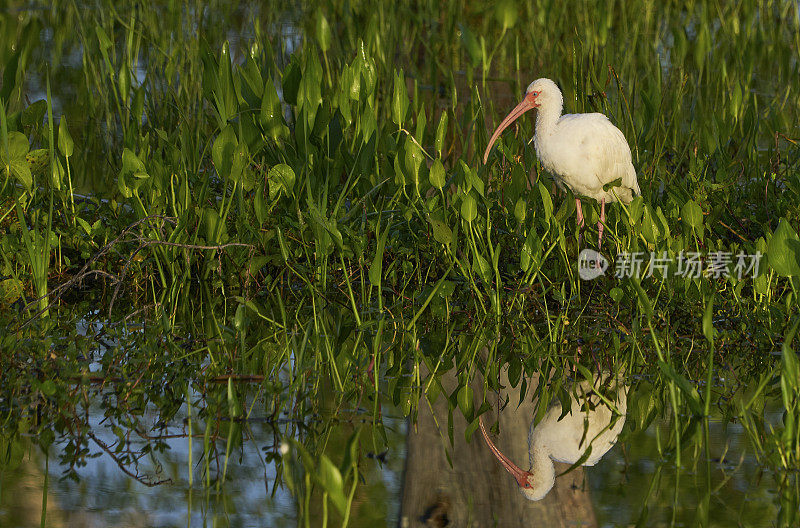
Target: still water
631,482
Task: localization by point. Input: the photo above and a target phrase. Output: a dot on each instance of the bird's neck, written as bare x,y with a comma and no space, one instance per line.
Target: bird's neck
544,472
546,118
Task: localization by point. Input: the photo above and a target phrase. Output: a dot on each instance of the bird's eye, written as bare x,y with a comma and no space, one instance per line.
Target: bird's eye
536,94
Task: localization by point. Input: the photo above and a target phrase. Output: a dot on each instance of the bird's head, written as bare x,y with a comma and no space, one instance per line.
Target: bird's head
528,485
540,92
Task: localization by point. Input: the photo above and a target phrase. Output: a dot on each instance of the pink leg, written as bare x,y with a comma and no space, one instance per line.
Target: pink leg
580,211
578,352
601,223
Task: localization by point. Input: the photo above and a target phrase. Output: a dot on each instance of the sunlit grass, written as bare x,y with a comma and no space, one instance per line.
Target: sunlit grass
309,198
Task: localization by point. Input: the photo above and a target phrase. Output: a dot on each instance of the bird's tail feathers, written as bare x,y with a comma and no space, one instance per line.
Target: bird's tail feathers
632,182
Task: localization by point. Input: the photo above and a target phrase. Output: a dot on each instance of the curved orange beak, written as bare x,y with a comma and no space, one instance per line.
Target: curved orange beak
529,103
518,473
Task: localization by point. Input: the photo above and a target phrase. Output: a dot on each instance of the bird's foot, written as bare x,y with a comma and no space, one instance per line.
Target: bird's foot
600,227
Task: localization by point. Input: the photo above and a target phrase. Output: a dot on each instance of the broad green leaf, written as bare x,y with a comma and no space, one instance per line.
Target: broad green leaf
481,266
131,163
529,248
350,460
309,92
783,250
352,82
520,210
648,225
10,291
102,38
15,160
122,185
251,74
477,182
368,71
437,175
65,143
282,244
225,92
413,160
85,225
616,294
222,151
441,232
692,214
239,162
33,115
467,175
57,174
331,480
48,388
441,132
259,206
17,147
399,99
281,178
505,12
470,43
790,369
376,268
465,401
635,208
270,116
663,225
323,31
469,208
291,81
22,171
215,228
422,122
399,175
447,289
547,201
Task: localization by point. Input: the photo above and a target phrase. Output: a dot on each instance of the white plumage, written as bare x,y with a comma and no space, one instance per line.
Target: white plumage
582,151
589,423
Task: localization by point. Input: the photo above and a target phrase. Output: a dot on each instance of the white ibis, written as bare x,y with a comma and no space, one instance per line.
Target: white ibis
588,425
582,151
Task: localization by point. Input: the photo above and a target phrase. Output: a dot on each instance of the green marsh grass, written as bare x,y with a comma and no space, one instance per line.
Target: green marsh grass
307,199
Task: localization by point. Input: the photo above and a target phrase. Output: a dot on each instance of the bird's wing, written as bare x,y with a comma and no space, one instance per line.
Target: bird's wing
605,144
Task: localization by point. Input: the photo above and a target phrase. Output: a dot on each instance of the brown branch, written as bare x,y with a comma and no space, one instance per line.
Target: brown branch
123,467
149,243
85,272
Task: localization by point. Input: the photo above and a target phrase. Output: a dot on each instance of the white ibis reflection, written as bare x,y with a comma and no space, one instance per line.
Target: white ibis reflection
591,427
